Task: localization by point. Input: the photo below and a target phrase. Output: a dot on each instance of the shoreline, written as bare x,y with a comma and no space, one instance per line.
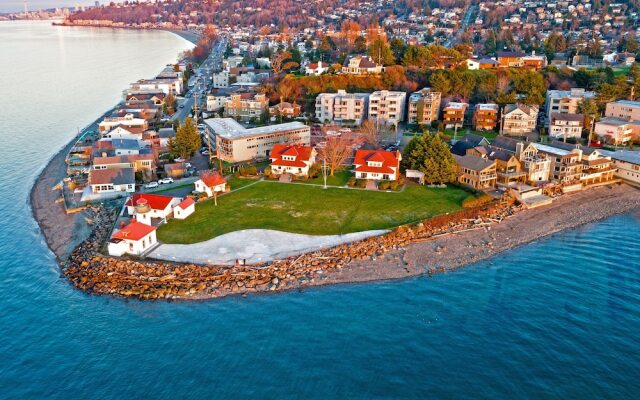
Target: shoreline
189,36
438,245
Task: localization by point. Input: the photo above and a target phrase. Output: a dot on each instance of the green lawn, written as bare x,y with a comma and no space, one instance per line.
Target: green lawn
237,183
340,178
310,210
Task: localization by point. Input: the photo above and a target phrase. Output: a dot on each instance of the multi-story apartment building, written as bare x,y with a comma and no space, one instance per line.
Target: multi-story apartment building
625,109
453,114
387,106
235,143
485,117
169,85
566,126
216,102
565,101
519,119
246,105
424,106
342,107
616,130
221,79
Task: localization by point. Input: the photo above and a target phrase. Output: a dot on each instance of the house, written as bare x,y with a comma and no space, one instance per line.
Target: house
151,209
387,106
221,79
121,132
566,126
519,119
535,62
284,109
342,107
127,121
377,164
626,163
485,117
318,68
360,65
292,159
565,101
481,63
535,164
124,147
142,163
468,141
424,106
477,172
185,208
175,170
509,171
112,180
510,59
566,164
235,143
210,183
453,114
135,239
166,134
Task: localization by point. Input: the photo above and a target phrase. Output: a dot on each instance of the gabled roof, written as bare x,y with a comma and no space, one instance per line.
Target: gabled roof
530,110
121,176
472,162
186,203
211,179
389,160
506,143
301,153
134,231
154,201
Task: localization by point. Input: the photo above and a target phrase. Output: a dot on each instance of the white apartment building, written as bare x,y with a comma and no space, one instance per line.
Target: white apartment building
565,101
424,106
215,102
235,143
221,79
128,121
167,86
387,106
342,107
566,126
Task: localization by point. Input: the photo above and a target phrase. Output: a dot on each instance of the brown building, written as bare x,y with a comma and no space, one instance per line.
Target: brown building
453,114
485,117
477,172
284,109
510,59
509,169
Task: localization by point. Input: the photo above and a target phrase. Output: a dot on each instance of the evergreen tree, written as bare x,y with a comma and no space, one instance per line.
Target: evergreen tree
430,154
381,53
187,140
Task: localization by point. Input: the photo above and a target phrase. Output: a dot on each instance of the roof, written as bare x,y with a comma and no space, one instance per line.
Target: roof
487,107
166,133
174,167
211,179
551,149
125,144
510,54
530,110
129,158
121,176
134,231
506,143
474,139
301,153
155,201
460,147
186,203
456,105
389,159
229,128
629,156
473,162
628,103
613,121
496,153
567,117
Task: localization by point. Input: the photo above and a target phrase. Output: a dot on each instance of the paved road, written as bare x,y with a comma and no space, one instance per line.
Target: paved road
466,20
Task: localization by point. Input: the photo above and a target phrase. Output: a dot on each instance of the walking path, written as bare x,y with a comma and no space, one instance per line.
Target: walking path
254,246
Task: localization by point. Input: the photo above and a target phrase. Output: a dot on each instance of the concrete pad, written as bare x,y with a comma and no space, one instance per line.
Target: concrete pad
254,246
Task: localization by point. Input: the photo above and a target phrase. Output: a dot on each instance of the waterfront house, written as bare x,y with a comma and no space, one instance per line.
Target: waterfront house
135,239
509,171
112,181
210,183
126,121
477,172
185,208
377,164
626,164
125,147
535,164
566,164
519,119
597,167
122,132
151,209
292,159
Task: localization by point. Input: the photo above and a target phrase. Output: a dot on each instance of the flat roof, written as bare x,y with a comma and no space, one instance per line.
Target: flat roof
628,103
629,156
229,128
550,149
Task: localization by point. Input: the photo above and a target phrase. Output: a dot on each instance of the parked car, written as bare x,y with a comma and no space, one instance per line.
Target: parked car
151,185
179,159
165,180
205,152
188,165
181,106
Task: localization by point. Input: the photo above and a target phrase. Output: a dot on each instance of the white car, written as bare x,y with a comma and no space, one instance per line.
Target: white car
179,159
151,185
165,180
187,165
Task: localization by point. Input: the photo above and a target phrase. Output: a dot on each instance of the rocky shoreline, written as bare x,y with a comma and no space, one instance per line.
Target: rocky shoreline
436,245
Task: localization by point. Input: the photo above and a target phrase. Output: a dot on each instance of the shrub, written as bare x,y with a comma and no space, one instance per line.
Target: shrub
314,171
267,171
473,201
393,185
361,183
384,185
352,181
248,170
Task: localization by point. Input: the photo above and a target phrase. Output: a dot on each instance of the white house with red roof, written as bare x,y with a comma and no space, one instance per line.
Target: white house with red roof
151,209
135,239
293,159
377,164
210,183
185,208
318,68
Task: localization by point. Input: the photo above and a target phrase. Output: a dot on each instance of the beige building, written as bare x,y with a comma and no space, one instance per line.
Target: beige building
565,101
616,130
477,172
566,126
127,121
424,106
342,107
625,109
246,106
627,164
519,119
386,106
235,143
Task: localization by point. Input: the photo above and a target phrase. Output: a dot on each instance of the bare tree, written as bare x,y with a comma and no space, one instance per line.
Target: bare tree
374,132
336,151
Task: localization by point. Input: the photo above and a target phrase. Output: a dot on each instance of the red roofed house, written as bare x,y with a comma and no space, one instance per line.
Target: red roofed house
151,209
184,209
318,68
377,164
211,182
135,238
292,159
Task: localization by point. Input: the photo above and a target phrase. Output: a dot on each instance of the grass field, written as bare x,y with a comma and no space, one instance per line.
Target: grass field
339,178
310,210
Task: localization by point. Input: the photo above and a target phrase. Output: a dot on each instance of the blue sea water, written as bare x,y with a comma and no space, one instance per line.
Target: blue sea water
556,319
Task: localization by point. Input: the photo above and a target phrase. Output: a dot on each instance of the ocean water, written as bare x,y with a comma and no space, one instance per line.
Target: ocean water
556,319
